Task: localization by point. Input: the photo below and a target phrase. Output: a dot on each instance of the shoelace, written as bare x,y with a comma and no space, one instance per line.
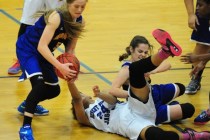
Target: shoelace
39,108
194,83
16,63
203,114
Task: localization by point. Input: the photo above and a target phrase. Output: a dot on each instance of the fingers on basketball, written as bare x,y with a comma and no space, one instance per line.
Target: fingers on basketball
68,58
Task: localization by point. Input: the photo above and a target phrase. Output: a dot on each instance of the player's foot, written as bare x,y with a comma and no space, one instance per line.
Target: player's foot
15,68
26,133
165,40
40,111
194,135
202,118
193,86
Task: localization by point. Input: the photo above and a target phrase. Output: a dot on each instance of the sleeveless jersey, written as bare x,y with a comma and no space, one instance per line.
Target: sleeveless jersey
30,39
117,119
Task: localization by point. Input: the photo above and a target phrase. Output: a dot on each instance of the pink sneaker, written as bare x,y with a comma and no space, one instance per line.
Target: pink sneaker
165,40
15,68
203,135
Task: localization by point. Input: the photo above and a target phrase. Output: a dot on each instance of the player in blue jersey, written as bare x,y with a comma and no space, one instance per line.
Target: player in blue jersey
29,9
138,49
134,119
34,51
28,19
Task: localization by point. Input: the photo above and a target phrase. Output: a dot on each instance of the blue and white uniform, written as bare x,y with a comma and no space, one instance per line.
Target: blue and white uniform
161,95
120,119
31,61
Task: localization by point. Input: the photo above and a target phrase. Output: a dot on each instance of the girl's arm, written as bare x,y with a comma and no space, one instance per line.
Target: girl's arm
104,96
164,66
191,58
70,48
116,87
78,105
192,18
54,21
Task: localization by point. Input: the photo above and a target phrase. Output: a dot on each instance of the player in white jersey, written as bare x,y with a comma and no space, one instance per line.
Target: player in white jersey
135,118
32,6
112,116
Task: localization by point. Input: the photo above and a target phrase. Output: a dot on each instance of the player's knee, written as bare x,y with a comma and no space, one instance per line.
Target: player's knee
181,88
53,91
187,110
155,133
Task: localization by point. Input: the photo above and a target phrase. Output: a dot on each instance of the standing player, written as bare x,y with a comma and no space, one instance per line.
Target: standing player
34,51
29,9
135,118
203,10
201,35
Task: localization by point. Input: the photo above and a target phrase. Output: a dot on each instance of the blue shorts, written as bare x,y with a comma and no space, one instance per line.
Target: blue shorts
202,35
163,94
32,63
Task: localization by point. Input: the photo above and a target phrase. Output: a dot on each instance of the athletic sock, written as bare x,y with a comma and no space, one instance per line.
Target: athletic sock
163,54
27,120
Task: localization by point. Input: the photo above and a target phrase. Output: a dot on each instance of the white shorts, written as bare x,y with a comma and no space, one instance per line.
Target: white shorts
32,6
139,117
131,124
146,110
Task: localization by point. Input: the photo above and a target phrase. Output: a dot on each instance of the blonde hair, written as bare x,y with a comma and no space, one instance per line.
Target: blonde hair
73,29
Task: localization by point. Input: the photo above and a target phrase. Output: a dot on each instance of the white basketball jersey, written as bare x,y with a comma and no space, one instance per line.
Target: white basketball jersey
32,6
118,119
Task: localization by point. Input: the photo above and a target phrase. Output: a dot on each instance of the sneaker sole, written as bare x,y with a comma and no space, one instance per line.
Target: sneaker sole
200,123
192,92
14,73
165,39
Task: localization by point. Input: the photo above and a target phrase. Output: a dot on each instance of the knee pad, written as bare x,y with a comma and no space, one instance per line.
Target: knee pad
181,88
155,133
187,110
52,91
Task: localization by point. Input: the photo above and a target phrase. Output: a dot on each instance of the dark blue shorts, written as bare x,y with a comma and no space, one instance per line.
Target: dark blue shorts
32,63
163,94
202,35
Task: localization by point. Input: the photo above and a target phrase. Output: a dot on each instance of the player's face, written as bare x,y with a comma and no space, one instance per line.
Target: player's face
203,9
76,8
140,52
87,100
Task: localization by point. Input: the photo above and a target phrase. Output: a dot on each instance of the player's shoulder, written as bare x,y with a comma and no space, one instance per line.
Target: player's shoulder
126,63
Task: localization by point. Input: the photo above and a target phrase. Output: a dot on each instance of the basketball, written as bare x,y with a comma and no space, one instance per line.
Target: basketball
68,58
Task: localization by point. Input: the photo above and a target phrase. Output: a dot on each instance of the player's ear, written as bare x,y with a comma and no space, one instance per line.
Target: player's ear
131,49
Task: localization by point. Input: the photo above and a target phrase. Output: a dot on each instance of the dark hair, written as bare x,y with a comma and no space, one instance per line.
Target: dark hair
207,1
134,43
